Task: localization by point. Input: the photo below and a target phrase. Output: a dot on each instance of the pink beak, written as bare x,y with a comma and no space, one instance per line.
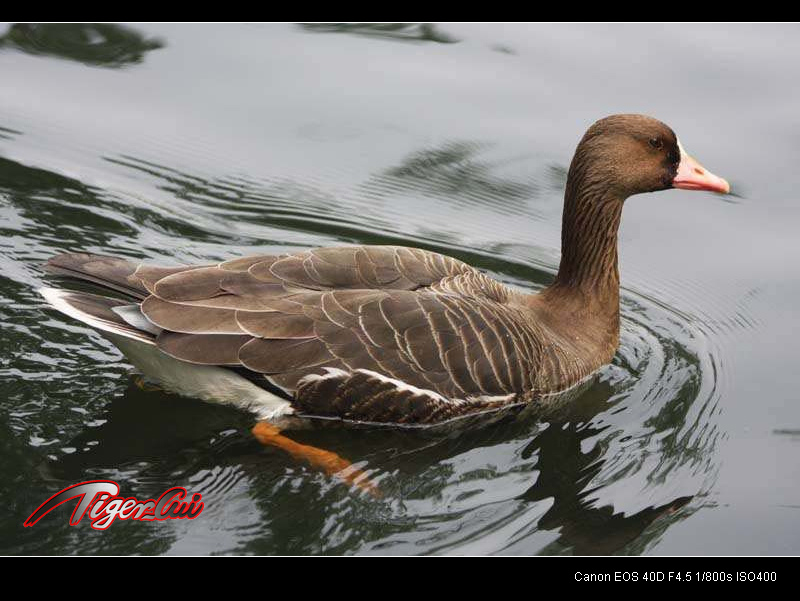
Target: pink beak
693,176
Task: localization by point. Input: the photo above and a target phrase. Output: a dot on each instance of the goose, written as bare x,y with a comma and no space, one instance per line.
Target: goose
388,334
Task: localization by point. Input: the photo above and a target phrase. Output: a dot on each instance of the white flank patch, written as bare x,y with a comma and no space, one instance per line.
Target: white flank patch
493,399
400,385
331,373
335,372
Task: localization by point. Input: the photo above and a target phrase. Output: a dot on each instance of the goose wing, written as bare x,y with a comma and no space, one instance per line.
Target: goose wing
365,332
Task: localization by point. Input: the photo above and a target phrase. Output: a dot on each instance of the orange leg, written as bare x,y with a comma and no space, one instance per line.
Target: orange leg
143,384
328,462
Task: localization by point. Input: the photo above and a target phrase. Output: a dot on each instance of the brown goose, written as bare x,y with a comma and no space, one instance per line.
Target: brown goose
385,333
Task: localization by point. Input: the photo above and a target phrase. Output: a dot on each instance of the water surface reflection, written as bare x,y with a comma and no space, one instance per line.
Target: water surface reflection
404,32
96,44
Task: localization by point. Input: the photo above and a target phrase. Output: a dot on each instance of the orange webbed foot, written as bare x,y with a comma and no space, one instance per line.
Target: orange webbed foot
326,461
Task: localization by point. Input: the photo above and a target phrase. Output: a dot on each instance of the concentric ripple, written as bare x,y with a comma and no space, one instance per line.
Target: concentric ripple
606,471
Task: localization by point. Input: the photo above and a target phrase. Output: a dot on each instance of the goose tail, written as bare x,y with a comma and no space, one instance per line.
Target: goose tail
123,324
113,273
109,315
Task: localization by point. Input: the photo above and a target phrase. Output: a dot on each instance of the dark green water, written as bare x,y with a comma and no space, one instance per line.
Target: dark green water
200,143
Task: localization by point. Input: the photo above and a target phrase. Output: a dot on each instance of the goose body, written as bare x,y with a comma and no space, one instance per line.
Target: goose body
386,333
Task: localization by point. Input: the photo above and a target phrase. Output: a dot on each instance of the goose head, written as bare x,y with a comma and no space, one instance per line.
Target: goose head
618,157
633,154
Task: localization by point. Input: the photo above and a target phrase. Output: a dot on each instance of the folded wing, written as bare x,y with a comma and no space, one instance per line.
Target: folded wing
413,331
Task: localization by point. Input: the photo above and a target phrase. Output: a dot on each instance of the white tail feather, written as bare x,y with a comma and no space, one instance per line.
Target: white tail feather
59,299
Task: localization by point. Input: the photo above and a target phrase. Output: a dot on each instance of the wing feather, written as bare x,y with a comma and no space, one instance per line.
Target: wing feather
386,332
275,356
204,349
275,324
194,284
190,319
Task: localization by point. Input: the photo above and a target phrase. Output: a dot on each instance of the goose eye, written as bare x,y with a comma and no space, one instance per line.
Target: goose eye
656,143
